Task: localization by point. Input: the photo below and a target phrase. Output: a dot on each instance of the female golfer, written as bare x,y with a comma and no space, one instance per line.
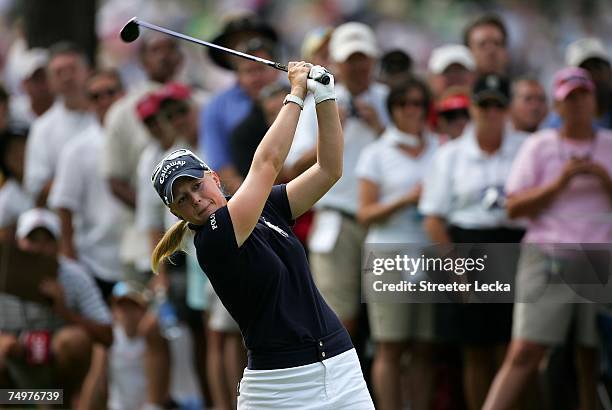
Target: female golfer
299,354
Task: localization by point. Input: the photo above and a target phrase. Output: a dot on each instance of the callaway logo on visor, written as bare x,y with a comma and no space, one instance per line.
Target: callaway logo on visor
173,155
179,163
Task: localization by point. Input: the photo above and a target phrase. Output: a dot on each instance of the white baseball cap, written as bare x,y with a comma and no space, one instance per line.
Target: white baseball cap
30,61
442,57
351,38
581,50
38,218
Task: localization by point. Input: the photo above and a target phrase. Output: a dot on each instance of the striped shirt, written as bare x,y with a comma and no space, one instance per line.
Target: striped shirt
81,296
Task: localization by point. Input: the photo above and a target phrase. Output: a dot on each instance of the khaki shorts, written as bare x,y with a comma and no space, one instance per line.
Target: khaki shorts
337,273
398,322
553,307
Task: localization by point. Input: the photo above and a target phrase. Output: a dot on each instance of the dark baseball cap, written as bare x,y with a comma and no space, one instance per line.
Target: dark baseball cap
237,29
179,163
491,87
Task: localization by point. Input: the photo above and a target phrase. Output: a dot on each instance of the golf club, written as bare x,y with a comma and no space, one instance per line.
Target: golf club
131,31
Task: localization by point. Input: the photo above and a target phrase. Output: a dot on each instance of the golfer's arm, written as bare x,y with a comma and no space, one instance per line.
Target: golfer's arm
246,205
309,187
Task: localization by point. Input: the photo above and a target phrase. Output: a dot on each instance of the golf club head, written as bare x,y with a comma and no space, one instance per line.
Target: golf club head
130,31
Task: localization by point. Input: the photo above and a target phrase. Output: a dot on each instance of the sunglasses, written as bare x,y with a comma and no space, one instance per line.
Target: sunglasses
176,111
410,103
99,94
454,115
487,104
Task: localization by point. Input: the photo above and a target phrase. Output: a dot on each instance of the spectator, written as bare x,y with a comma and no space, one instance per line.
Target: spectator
126,358
37,97
528,107
151,217
315,46
590,53
93,220
227,109
4,109
13,198
76,319
180,112
395,68
161,59
336,237
248,134
390,172
462,202
487,38
561,181
67,70
453,112
450,65
126,138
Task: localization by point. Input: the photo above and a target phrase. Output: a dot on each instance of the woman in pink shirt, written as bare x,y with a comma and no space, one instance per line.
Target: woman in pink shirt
561,182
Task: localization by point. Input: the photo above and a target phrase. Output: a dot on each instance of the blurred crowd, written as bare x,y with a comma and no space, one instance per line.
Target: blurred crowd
469,145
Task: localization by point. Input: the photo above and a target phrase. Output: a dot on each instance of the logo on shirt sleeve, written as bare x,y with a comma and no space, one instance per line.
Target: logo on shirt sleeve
276,228
213,222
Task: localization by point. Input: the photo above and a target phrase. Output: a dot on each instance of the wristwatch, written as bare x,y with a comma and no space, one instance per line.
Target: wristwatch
294,99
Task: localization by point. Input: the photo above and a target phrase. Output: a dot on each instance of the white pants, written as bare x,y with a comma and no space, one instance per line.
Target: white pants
333,384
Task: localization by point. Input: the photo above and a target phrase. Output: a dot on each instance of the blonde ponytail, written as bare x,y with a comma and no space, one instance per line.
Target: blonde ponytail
168,244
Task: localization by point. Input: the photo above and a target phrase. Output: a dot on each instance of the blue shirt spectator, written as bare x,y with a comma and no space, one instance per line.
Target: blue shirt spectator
224,112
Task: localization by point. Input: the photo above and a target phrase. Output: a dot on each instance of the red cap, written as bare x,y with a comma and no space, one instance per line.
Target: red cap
173,91
454,102
148,106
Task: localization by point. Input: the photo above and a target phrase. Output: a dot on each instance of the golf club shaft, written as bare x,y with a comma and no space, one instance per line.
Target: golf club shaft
283,67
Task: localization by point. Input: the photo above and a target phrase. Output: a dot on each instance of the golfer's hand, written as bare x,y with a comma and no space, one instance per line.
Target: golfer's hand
298,73
321,92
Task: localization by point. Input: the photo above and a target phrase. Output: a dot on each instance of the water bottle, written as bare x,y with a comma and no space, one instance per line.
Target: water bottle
166,315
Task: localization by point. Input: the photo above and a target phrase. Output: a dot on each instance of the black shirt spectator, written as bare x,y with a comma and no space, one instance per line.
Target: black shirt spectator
245,139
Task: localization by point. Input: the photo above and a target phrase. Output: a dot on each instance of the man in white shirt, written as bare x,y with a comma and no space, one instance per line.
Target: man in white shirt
93,220
336,237
462,201
67,70
37,97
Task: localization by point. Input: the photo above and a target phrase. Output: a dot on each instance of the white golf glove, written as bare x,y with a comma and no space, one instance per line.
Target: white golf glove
321,92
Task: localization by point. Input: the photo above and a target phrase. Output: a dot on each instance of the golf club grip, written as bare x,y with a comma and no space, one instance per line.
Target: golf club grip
324,79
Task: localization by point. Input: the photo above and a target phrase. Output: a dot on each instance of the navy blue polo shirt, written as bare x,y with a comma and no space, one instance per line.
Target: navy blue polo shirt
267,287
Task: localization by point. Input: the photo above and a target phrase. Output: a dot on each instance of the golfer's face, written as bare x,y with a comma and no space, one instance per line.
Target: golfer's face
195,199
